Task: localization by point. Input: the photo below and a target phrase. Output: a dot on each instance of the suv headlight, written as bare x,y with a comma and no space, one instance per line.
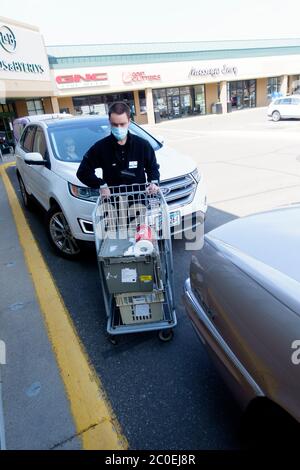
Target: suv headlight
88,194
196,175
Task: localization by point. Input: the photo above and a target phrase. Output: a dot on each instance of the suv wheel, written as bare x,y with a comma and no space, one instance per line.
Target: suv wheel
60,234
276,116
26,198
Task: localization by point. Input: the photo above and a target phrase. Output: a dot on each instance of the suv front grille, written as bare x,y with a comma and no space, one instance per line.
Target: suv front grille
179,191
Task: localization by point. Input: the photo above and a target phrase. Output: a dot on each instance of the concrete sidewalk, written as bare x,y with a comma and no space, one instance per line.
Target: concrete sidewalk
35,406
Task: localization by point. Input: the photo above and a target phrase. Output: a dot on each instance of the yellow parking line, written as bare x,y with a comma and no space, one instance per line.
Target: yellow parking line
94,419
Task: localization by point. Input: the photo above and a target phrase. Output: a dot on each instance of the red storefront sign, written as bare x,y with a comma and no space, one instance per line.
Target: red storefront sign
87,79
133,77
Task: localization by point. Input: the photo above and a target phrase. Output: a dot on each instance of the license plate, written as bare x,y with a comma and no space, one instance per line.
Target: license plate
174,218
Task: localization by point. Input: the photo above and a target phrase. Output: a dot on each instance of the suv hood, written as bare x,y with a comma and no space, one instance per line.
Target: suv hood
173,164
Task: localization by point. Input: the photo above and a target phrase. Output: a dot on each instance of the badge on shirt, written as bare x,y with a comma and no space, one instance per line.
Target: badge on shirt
133,165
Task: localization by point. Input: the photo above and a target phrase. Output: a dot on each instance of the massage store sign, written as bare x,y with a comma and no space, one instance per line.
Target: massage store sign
219,72
22,54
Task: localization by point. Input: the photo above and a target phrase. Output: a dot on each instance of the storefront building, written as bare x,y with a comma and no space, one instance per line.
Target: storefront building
25,83
159,81
172,81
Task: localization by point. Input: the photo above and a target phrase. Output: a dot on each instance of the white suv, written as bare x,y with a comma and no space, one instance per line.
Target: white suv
285,108
47,172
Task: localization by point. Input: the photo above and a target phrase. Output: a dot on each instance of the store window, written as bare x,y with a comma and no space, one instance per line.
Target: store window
199,99
7,108
294,84
35,107
242,94
178,102
273,88
142,101
99,104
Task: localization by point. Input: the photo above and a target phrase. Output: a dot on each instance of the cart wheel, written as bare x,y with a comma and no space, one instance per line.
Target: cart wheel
165,335
113,339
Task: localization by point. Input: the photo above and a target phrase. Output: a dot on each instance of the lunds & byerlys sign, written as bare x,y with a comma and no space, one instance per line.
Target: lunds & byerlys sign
7,39
81,80
8,45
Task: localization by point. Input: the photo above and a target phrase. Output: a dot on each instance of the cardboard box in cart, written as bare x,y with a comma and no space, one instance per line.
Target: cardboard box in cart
125,274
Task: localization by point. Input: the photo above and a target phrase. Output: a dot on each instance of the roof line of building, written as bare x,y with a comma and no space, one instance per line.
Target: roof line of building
21,24
238,41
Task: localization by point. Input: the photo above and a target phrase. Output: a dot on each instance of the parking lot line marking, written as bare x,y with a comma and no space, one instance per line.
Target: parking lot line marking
94,419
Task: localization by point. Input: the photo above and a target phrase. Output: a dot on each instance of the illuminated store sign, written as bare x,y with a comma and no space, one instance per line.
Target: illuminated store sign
79,80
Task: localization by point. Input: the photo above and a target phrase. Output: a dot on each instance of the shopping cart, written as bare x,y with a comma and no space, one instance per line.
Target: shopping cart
134,252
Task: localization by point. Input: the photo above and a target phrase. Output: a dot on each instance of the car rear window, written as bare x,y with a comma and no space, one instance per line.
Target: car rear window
286,101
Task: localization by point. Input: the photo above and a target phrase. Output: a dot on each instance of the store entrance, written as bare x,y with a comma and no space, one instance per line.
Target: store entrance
171,103
174,106
242,94
6,133
7,115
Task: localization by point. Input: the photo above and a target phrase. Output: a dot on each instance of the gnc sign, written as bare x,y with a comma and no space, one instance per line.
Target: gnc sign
81,80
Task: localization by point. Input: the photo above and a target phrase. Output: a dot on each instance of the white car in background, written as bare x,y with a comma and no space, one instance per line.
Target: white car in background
286,107
47,174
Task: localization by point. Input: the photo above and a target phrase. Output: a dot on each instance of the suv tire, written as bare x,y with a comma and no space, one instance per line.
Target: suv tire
60,235
26,198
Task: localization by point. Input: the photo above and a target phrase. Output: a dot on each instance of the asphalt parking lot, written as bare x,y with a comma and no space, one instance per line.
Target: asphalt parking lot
168,395
250,163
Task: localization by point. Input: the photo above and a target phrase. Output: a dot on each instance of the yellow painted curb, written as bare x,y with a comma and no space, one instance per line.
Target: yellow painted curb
95,422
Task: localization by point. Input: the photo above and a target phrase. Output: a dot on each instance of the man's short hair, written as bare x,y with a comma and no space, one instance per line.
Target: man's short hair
119,107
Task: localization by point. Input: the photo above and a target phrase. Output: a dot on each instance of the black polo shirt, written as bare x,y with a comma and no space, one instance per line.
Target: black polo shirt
121,164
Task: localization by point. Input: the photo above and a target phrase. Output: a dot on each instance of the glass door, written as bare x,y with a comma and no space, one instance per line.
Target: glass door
173,102
252,93
186,101
6,133
243,94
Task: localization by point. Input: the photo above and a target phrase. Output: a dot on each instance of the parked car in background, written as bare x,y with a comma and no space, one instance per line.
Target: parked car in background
46,170
285,108
243,298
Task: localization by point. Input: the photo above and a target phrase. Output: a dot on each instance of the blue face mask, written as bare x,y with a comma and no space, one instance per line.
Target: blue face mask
119,132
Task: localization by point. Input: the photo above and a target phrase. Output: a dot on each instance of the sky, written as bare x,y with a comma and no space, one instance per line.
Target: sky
104,22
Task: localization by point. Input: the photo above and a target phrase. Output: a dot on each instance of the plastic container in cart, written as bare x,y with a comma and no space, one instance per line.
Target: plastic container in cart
125,273
141,307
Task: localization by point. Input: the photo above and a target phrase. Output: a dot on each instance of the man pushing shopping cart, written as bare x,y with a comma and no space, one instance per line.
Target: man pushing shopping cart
132,231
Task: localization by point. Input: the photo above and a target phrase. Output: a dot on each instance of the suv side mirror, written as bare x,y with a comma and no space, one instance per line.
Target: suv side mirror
34,158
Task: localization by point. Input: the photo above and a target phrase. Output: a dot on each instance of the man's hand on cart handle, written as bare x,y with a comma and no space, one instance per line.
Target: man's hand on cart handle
104,190
152,188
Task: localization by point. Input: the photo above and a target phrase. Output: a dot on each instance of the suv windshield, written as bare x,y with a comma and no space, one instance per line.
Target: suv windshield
72,140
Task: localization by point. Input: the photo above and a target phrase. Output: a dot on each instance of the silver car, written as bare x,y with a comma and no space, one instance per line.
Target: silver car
243,298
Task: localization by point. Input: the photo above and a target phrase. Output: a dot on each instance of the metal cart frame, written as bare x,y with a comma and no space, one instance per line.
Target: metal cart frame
119,216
